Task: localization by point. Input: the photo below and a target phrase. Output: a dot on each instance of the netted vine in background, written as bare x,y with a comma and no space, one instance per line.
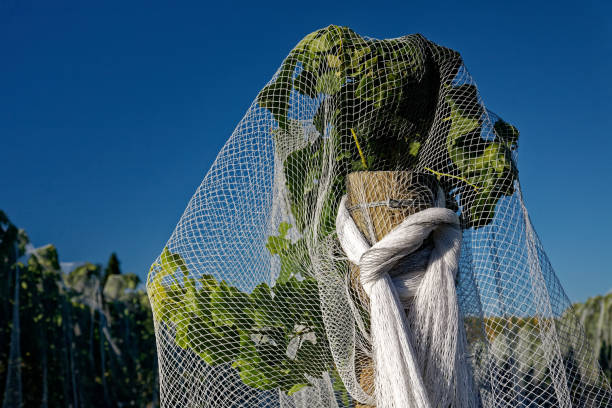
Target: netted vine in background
82,339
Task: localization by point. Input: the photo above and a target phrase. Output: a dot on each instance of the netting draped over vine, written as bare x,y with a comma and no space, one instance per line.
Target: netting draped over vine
254,299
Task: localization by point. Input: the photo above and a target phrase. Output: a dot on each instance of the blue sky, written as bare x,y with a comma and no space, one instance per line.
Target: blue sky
110,114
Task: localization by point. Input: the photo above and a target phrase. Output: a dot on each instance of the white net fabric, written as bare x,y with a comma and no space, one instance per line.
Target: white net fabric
255,302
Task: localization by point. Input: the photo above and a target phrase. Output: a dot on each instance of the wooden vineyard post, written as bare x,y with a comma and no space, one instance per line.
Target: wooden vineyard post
378,201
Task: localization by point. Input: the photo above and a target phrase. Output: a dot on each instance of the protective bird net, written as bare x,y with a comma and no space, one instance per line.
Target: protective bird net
361,240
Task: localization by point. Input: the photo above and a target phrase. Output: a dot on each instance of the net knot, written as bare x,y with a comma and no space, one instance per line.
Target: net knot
398,253
418,350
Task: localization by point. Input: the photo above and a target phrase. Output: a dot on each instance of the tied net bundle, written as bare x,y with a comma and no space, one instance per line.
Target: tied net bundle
361,240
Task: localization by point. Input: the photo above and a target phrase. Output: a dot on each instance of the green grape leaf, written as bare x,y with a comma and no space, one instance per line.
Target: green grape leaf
506,132
275,96
486,168
253,371
294,259
464,100
305,83
325,41
302,172
356,64
228,306
329,82
263,305
214,344
271,345
366,89
414,148
296,388
277,244
169,262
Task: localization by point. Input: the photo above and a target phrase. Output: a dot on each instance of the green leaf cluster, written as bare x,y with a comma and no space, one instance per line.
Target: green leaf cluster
379,100
273,336
294,259
485,169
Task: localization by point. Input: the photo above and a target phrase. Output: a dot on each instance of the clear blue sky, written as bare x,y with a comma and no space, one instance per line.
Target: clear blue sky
111,112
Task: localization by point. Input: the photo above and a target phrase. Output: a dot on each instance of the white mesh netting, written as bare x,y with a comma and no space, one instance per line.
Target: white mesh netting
255,301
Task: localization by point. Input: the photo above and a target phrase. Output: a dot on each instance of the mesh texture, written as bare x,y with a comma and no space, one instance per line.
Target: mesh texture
255,304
